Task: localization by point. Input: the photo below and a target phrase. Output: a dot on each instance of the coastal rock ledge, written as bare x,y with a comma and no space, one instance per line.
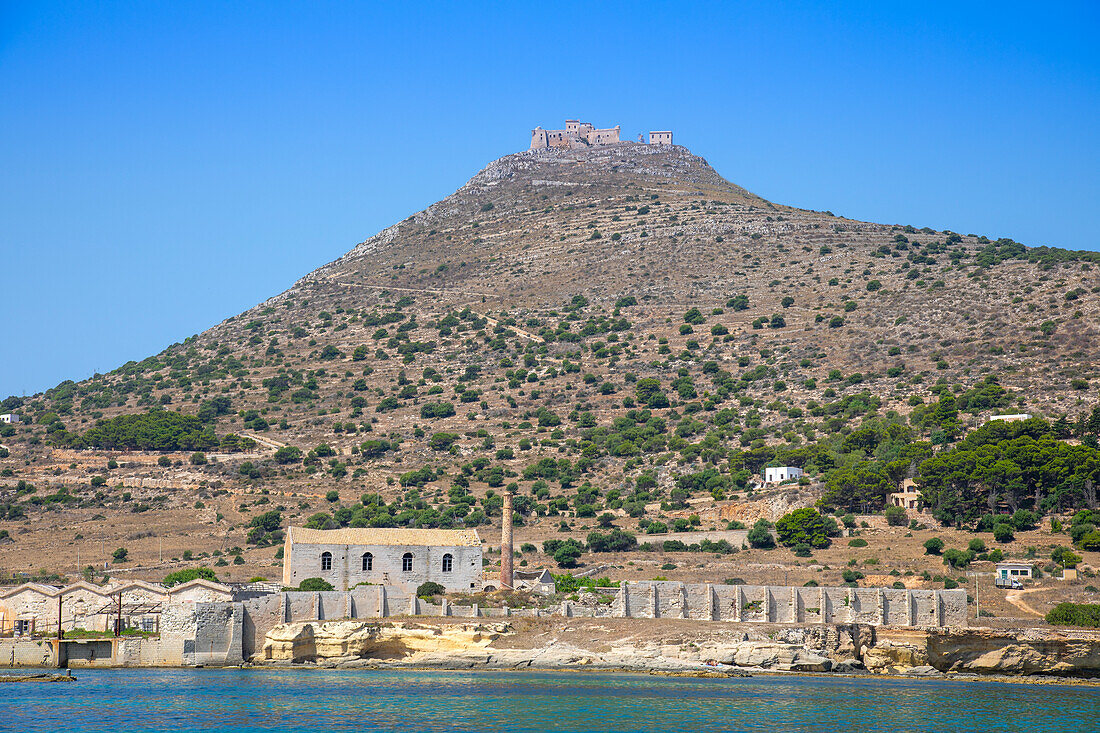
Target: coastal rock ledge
659,646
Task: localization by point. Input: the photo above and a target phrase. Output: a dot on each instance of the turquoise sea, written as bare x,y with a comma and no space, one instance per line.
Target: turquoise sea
324,701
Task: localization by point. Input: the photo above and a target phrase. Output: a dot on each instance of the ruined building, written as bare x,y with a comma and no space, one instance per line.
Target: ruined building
404,558
578,133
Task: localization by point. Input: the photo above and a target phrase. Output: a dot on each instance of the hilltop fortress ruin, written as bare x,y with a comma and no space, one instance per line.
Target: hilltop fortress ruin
578,133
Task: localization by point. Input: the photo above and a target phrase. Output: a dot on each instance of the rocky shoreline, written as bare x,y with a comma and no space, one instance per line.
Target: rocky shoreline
670,647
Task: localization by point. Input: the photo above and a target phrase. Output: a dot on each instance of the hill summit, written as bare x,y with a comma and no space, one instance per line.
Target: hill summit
612,329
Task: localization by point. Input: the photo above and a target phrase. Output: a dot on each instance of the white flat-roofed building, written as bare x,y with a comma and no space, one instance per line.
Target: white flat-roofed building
779,474
1010,418
1007,570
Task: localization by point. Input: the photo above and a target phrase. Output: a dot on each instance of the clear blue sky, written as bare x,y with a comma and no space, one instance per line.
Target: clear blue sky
166,165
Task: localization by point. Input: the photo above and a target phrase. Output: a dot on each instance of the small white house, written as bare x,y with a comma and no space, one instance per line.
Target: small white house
10,418
1020,417
1017,570
779,474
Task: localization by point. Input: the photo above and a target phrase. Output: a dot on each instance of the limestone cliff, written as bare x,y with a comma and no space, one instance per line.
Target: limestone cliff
458,645
316,640
1070,653
588,644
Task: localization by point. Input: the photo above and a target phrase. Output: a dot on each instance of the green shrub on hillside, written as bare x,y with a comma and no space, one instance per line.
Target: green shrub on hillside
1075,614
315,584
160,430
429,589
806,526
187,575
896,516
760,535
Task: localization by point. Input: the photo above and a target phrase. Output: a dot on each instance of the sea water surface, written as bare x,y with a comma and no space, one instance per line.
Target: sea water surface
324,701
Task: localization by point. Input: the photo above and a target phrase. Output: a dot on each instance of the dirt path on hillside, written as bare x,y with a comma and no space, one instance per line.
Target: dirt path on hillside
268,442
434,291
1015,599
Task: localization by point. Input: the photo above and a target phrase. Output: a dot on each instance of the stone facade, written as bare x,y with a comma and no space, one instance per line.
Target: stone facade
660,137
397,557
908,496
34,607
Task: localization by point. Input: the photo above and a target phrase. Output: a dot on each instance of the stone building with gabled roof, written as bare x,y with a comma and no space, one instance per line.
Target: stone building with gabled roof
383,556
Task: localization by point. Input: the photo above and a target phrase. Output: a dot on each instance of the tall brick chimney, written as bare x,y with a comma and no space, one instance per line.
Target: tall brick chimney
506,543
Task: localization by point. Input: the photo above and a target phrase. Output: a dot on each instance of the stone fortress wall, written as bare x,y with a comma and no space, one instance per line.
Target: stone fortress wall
577,133
654,599
235,631
231,632
789,605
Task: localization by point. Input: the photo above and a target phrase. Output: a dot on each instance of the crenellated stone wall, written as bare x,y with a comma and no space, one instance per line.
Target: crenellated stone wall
789,605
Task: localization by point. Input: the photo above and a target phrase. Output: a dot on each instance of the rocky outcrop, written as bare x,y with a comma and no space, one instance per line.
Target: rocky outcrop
318,640
1029,651
986,651
847,649
350,643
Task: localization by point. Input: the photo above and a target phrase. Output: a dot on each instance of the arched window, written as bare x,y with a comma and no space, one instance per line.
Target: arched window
448,563
407,562
326,561
368,561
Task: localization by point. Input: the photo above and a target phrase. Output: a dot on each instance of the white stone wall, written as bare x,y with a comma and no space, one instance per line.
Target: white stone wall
304,561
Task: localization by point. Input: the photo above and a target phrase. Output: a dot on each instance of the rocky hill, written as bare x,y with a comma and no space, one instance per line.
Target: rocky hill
590,326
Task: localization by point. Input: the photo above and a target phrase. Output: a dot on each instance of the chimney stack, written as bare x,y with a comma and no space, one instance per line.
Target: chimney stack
506,543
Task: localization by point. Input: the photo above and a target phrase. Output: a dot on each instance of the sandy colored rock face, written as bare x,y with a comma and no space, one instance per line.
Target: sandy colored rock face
1025,652
309,641
469,645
